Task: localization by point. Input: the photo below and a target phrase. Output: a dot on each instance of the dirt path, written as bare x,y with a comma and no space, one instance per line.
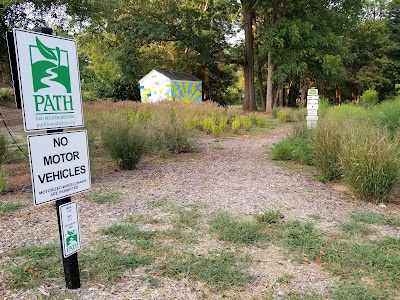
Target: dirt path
234,175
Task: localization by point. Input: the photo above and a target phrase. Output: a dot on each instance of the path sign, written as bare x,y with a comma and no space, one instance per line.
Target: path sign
49,83
71,242
312,107
59,165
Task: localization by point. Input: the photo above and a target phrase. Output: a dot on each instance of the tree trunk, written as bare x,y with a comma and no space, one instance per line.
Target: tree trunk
281,94
303,93
258,64
269,84
338,98
249,102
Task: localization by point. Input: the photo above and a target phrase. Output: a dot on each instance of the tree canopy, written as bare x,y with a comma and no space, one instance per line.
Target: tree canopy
341,46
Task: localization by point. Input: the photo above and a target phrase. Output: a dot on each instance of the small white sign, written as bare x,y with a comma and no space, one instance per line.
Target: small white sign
71,241
312,118
310,97
49,81
311,124
312,106
312,101
312,112
59,165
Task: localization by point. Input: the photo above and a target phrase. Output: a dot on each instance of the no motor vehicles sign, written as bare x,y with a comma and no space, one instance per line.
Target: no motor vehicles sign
59,165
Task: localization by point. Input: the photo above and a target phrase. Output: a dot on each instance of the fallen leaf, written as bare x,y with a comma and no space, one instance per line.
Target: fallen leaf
318,260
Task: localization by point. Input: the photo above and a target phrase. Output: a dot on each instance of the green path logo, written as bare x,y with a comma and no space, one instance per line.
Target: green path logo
72,238
50,67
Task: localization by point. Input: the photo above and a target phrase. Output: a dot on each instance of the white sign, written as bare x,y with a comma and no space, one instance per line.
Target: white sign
59,165
49,81
312,118
312,101
71,242
309,97
312,106
312,112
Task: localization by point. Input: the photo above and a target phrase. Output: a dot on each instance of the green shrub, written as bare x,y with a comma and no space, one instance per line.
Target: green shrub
6,97
127,142
3,180
236,123
246,122
326,147
284,115
296,147
370,163
258,120
170,134
369,98
3,149
291,114
387,114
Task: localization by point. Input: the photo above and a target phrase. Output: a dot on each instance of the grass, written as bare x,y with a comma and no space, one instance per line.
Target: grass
269,216
106,263
228,229
368,269
100,198
10,208
375,218
41,263
296,147
356,229
220,270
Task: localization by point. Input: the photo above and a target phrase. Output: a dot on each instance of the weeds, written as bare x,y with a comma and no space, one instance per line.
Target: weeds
355,229
269,216
228,229
10,208
221,271
104,198
374,218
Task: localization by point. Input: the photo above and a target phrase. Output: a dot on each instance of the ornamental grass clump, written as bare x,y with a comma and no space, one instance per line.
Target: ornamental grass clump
126,141
170,134
370,159
325,146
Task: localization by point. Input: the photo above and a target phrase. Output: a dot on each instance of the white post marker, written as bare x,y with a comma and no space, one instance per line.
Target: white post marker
49,81
59,165
312,108
71,242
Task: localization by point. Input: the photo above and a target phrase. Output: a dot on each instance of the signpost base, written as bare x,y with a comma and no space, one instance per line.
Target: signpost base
71,267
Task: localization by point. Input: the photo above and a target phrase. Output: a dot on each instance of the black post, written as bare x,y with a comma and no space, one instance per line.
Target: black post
71,266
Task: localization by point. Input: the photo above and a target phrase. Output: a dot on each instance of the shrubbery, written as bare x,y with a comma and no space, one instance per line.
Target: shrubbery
296,147
126,141
370,162
360,145
369,98
6,97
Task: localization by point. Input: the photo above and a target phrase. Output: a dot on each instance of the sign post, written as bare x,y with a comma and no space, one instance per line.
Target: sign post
312,108
47,87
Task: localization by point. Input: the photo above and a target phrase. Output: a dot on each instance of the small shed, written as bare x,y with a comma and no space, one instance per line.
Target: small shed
161,85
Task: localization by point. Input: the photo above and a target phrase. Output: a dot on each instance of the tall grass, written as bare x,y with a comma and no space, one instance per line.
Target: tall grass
326,147
126,141
370,161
